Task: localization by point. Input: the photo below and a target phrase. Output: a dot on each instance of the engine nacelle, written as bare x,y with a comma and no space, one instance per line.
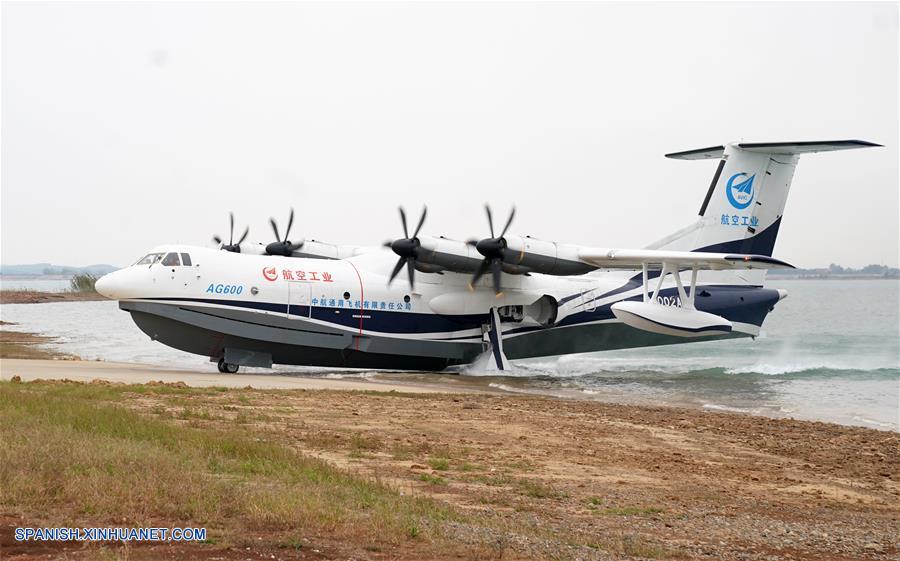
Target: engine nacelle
446,254
548,258
522,255
670,320
312,249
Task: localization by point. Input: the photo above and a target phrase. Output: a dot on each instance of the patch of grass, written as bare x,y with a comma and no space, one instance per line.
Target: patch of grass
401,452
191,413
439,464
636,547
536,489
70,449
631,511
358,454
494,480
409,450
521,465
432,479
160,410
360,442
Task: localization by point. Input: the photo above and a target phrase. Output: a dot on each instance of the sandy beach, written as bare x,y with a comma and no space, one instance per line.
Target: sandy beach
87,371
555,478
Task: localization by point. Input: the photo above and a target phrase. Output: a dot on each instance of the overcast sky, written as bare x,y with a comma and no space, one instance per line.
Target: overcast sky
129,125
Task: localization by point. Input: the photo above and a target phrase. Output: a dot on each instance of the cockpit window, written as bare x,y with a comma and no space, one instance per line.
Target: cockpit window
149,259
171,260
186,259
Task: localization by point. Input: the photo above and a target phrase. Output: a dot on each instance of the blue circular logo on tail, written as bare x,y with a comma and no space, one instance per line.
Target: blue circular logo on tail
740,190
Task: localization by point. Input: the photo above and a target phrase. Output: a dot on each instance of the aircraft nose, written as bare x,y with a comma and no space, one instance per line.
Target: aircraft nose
105,285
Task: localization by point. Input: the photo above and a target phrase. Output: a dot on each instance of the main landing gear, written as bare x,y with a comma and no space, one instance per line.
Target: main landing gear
227,367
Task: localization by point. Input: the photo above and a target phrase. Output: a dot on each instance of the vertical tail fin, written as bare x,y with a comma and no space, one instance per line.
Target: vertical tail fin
743,207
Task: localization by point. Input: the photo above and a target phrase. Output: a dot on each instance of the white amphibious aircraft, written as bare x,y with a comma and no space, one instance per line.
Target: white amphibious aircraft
308,303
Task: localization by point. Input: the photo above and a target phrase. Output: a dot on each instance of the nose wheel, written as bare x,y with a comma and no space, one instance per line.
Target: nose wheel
227,367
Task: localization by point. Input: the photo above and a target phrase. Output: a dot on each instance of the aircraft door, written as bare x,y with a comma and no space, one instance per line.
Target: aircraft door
299,294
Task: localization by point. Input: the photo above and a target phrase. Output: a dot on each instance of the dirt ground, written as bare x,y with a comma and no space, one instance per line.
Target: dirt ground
36,297
579,480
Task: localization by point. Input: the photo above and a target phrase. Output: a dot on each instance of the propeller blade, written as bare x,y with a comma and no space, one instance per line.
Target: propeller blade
490,219
473,243
411,270
497,271
421,221
217,239
231,229
482,269
290,223
275,229
388,243
396,270
244,236
512,214
403,220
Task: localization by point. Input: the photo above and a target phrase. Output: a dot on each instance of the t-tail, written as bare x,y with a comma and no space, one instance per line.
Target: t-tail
744,205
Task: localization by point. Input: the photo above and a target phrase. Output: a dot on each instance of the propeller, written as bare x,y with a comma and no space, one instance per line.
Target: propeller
493,249
407,248
231,246
282,246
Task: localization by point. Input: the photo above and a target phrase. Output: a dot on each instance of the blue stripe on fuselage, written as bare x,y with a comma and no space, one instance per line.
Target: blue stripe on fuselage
743,304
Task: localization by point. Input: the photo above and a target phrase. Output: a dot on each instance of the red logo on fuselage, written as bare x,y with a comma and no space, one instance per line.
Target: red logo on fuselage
270,273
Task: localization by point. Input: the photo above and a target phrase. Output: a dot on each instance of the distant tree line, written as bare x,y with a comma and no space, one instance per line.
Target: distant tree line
61,270
835,270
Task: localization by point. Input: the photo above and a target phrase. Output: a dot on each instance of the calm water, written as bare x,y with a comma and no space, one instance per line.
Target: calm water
40,285
830,351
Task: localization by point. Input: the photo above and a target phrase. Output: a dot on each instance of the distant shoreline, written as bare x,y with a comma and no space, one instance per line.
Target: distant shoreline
774,276
19,296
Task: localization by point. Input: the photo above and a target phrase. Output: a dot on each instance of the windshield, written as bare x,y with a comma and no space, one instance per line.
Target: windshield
149,259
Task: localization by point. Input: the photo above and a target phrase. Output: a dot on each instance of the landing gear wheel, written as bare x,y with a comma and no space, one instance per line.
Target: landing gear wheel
227,367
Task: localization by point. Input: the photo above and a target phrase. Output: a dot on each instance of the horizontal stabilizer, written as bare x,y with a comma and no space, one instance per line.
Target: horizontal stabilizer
807,147
711,153
785,148
655,259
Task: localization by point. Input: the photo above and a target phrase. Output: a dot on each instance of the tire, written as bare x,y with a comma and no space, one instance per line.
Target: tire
227,367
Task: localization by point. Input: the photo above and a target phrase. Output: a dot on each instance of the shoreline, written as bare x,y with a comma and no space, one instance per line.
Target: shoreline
18,296
69,368
22,345
525,477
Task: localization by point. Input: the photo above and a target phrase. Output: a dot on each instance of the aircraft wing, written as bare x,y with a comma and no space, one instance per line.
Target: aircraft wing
606,258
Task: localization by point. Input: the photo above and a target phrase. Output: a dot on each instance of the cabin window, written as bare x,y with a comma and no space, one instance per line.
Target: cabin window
149,259
171,260
186,259
346,296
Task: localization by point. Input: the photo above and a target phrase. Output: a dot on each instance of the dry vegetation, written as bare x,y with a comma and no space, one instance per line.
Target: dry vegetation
71,456
37,297
365,475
